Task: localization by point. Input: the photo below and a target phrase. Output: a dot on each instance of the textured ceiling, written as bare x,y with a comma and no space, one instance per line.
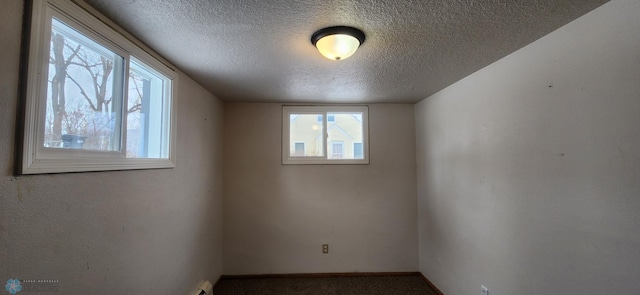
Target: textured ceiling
259,51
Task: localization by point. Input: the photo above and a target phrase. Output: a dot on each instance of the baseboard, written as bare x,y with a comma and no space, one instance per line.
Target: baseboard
431,284
217,282
320,275
329,275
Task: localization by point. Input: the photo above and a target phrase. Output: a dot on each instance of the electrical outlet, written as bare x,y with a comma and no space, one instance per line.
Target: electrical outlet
325,248
485,291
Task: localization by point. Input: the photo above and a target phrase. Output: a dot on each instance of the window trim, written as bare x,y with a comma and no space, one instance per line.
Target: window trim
36,158
287,159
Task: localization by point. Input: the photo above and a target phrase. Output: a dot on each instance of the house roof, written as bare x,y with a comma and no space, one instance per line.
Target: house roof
260,51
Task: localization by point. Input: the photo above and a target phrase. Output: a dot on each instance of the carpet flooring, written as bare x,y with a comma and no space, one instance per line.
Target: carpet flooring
370,285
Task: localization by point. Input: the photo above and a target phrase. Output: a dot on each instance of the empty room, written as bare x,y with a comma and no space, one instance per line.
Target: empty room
320,147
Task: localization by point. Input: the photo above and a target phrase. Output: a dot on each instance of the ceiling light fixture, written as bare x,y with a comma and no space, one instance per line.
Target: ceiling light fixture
338,42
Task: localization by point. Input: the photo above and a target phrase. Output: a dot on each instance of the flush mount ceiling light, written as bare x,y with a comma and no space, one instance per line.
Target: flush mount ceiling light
338,42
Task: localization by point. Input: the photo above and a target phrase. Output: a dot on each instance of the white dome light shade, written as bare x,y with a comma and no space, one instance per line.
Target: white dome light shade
338,46
337,43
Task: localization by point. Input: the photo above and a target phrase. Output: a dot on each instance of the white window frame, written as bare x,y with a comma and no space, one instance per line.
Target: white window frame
287,110
36,158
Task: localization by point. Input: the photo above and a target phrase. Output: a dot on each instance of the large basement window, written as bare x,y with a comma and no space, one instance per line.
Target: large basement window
94,99
325,135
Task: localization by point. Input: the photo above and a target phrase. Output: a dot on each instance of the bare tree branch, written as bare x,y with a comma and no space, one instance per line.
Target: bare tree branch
135,84
94,78
134,108
84,94
84,65
138,105
75,52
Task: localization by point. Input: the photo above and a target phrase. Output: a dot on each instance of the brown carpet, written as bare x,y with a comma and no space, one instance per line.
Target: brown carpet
370,285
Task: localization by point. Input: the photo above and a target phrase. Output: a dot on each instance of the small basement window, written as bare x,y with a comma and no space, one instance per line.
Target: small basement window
94,99
325,135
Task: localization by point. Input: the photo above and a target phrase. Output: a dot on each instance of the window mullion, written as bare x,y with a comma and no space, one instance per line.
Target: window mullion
326,135
124,107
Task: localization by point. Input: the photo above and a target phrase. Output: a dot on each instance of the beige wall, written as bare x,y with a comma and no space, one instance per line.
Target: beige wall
277,216
529,170
129,232
528,182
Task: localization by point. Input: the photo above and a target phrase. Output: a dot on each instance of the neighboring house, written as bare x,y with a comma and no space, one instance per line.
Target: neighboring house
344,135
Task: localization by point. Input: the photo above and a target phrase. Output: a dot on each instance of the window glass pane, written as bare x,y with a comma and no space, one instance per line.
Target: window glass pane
336,150
345,130
82,106
358,152
305,130
147,113
299,149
